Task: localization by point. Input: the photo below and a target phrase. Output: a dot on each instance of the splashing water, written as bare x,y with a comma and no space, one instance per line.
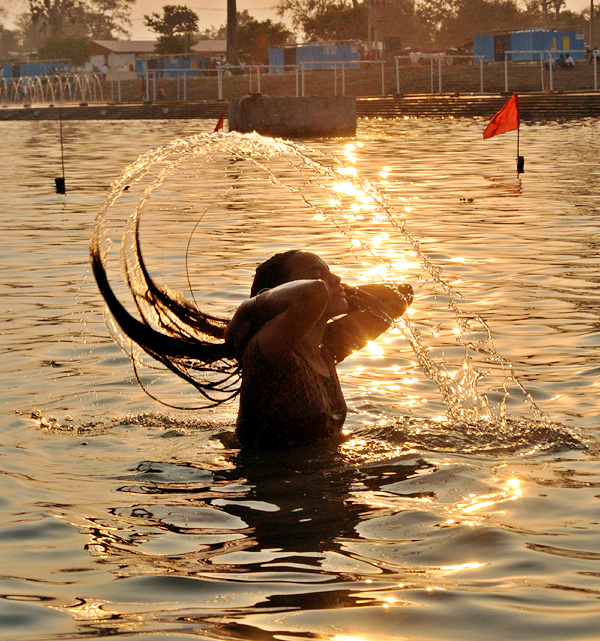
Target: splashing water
195,194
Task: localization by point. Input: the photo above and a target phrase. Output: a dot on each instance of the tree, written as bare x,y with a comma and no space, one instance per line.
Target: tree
169,45
53,17
255,38
31,34
176,27
557,6
435,14
455,23
479,16
107,18
301,11
214,33
551,12
82,18
8,38
8,41
337,22
399,19
74,48
176,20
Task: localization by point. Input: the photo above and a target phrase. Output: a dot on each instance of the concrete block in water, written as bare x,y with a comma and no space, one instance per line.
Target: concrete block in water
307,117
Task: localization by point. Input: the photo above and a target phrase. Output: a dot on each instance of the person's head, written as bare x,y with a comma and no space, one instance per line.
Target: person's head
272,272
299,265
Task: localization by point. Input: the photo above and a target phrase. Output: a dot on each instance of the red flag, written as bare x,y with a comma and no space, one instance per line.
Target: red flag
505,120
219,124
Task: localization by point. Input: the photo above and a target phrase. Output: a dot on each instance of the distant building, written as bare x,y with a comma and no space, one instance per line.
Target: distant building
314,55
210,48
119,54
529,44
204,57
140,57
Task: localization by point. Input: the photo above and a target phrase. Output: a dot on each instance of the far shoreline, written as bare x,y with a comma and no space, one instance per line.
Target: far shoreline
553,106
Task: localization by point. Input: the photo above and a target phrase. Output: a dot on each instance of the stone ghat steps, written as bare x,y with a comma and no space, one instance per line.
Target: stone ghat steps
532,107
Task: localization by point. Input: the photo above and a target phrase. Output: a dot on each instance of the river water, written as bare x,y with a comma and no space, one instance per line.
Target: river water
123,516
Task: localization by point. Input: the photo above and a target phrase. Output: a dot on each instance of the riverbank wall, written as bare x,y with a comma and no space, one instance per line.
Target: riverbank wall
119,111
533,107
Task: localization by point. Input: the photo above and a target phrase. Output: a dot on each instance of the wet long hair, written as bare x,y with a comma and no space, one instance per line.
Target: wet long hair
175,332
272,272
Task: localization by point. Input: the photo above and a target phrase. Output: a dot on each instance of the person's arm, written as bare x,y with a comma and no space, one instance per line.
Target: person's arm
372,309
279,317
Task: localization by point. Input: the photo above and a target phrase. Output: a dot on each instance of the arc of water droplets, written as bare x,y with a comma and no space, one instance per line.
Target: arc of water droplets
250,146
484,346
455,402
468,379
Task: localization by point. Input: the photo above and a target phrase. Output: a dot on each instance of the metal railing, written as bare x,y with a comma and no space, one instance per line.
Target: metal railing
255,74
439,60
547,60
433,74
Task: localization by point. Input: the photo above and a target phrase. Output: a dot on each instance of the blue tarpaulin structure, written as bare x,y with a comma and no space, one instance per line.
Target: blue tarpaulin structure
13,70
527,44
172,66
314,55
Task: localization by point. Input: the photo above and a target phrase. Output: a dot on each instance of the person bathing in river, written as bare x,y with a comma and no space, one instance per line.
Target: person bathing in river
286,339
288,348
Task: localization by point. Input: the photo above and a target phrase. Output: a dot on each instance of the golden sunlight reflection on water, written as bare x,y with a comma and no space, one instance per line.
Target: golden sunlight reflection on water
121,517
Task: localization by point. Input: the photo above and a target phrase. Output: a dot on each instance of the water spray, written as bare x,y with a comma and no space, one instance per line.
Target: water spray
319,183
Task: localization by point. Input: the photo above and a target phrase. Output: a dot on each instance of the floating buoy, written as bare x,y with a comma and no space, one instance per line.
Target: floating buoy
60,185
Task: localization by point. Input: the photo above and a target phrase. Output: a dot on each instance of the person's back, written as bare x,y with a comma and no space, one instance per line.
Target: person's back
288,403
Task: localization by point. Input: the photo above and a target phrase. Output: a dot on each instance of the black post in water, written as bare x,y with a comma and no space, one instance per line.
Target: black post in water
520,159
60,182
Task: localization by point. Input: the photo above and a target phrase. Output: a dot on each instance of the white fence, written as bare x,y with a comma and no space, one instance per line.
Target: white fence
431,73
437,62
254,74
547,61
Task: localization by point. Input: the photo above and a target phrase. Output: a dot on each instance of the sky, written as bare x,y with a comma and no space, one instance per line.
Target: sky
211,12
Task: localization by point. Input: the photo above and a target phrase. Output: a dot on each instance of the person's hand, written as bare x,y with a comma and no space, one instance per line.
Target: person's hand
391,299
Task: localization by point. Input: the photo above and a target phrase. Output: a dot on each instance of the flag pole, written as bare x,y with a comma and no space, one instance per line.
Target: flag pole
60,181
520,159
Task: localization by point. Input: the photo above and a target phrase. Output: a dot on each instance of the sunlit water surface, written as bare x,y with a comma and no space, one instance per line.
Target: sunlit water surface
121,516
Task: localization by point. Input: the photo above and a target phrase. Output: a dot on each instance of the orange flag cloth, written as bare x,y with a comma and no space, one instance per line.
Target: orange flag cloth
505,120
219,124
